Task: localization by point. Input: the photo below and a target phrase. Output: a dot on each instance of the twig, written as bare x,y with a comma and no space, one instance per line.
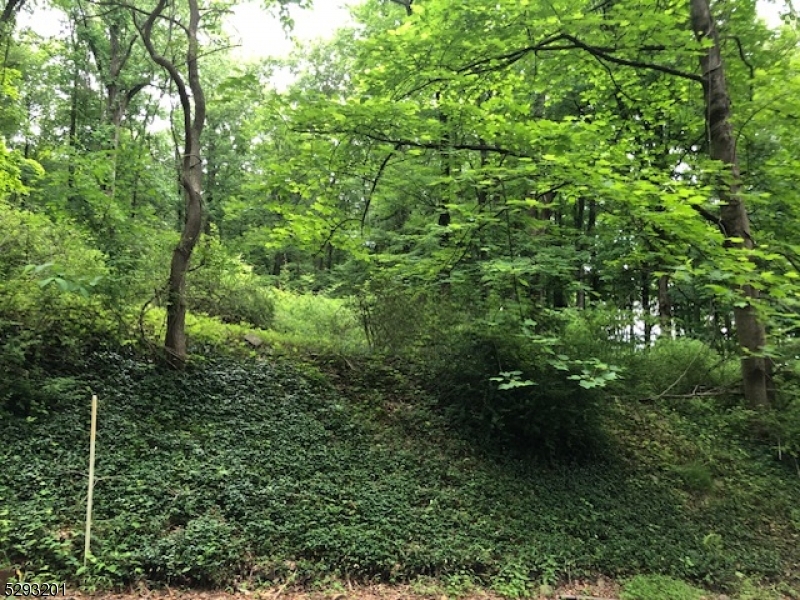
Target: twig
694,394
289,580
682,375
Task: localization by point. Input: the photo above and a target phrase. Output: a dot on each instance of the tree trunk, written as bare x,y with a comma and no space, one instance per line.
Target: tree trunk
594,274
193,105
645,301
664,306
733,217
7,17
580,211
175,340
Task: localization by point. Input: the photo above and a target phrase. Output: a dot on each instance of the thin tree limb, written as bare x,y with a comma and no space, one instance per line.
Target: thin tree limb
375,182
551,44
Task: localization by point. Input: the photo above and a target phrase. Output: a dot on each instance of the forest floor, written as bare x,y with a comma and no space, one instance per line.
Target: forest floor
601,589
271,471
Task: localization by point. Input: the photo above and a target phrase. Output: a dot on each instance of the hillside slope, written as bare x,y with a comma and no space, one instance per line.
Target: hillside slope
274,471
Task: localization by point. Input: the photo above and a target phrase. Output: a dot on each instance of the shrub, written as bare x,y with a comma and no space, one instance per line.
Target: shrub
50,309
523,389
404,319
659,587
224,286
318,322
682,366
524,385
206,551
309,322
783,421
205,333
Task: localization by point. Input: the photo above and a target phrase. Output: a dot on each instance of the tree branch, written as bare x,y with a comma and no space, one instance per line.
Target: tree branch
11,7
194,72
135,90
146,32
709,216
375,181
743,58
137,10
377,137
551,44
406,4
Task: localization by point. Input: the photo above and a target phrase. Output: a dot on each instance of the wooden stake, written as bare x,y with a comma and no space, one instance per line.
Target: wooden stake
89,497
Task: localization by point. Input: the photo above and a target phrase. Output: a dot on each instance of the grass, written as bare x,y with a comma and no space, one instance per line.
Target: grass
308,323
270,471
309,319
659,587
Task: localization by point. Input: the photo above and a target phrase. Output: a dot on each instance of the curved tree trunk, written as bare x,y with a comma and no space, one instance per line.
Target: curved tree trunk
734,220
193,105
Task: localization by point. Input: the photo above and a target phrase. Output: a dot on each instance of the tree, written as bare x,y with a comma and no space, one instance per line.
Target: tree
10,10
567,150
734,219
111,40
193,106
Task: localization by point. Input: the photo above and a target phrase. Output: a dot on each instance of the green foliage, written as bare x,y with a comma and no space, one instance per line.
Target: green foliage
47,310
513,581
697,477
461,584
542,401
659,587
787,428
510,380
223,286
309,322
748,589
401,318
237,467
52,276
315,321
13,167
782,422
207,550
676,366
205,333
5,527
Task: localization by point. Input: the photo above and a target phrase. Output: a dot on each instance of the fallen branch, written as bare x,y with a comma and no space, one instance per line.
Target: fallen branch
682,375
693,394
571,597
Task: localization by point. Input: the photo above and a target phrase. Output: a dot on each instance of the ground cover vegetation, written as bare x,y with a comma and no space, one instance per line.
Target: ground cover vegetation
261,471
499,295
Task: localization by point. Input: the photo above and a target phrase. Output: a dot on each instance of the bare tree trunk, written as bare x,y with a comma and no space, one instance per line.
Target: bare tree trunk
594,275
664,306
645,301
579,212
733,218
118,99
193,105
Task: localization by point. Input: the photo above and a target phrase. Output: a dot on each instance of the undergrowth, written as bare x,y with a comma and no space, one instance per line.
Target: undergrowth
266,471
309,323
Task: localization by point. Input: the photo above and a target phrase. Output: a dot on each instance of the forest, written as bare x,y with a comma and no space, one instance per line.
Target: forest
490,300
